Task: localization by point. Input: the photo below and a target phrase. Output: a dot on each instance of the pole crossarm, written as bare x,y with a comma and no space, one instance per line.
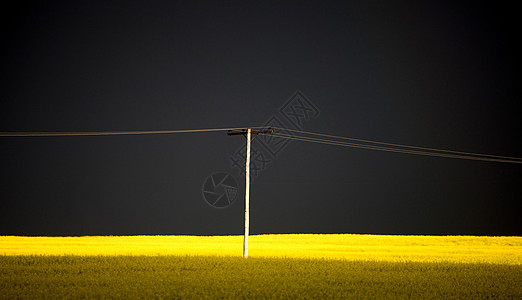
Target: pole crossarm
244,132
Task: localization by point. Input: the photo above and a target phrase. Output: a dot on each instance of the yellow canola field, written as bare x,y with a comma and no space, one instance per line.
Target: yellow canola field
351,247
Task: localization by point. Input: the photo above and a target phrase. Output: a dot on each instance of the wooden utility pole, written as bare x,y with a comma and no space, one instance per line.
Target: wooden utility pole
247,194
248,133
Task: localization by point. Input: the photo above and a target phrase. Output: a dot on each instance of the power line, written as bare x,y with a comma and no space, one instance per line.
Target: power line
400,145
371,145
397,150
98,133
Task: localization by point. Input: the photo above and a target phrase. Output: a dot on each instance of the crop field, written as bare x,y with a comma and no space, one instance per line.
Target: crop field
279,266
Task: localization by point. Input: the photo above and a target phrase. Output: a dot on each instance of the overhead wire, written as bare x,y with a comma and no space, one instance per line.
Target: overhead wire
475,156
299,136
399,145
99,133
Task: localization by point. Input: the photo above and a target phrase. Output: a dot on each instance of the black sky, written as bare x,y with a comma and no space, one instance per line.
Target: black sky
425,73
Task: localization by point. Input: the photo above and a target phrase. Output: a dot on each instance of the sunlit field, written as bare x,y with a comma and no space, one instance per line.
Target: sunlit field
503,250
279,266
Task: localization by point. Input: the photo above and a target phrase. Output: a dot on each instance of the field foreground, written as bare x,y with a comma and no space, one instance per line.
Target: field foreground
214,277
279,266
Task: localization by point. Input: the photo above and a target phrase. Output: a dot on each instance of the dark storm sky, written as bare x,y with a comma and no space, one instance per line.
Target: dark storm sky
423,73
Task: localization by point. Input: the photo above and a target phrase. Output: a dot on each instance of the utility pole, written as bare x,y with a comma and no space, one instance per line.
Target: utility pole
248,133
247,194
